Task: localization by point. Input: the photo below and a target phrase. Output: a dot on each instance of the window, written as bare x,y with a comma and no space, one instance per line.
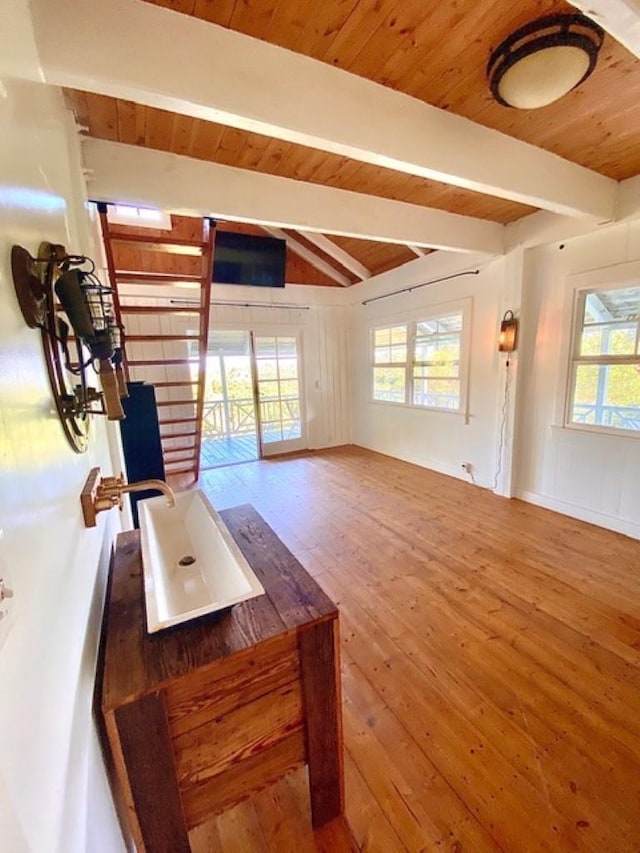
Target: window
436,362
390,364
604,386
124,214
419,363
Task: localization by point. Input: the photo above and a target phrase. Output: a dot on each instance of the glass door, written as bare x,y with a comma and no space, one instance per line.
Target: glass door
278,391
229,429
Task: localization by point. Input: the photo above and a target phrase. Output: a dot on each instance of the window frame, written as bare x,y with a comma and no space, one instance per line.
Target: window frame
575,359
436,312
373,364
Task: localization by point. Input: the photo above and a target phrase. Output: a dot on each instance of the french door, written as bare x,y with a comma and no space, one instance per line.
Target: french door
278,389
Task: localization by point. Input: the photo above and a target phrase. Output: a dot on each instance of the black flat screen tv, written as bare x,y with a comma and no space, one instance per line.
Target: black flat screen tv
249,259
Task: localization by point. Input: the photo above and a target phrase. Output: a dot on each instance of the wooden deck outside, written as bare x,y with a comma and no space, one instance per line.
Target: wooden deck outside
491,664
228,451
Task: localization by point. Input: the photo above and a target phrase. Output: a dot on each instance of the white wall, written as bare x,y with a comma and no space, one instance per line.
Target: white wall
435,439
590,476
53,790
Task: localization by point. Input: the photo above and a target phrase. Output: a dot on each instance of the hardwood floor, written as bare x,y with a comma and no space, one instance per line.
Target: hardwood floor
490,652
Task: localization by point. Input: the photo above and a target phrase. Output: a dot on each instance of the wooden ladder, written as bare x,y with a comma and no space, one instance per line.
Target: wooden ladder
156,347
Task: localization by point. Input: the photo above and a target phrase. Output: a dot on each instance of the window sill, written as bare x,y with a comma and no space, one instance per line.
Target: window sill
596,431
417,408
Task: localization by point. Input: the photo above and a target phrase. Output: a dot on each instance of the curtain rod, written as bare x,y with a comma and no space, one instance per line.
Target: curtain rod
237,304
418,286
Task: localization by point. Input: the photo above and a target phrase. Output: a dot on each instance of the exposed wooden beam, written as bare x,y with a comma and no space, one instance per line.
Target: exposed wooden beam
330,248
543,227
620,18
132,175
169,60
309,256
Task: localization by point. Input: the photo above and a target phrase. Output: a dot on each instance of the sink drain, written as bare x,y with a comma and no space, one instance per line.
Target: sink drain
187,560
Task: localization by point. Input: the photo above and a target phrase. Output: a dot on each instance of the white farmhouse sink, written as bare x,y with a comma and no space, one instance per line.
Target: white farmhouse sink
190,562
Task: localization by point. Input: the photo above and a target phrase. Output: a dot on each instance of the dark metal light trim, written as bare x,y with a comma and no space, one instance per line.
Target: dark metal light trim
549,31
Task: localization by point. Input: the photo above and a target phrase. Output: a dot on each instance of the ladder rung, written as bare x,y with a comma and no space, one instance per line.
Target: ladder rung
156,309
149,338
181,449
178,421
176,384
160,362
178,435
190,402
155,242
180,470
156,277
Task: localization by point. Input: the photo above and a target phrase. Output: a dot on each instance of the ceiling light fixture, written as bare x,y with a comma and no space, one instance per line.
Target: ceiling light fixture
542,61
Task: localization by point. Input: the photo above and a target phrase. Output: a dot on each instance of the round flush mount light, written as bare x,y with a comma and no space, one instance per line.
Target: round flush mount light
542,61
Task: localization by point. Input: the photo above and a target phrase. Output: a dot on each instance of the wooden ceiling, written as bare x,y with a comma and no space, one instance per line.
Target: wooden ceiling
437,51
434,50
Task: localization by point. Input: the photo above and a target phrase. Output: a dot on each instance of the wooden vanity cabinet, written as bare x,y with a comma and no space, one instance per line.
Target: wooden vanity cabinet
198,717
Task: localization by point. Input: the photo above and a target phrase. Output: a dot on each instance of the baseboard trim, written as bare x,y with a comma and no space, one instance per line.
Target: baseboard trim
600,519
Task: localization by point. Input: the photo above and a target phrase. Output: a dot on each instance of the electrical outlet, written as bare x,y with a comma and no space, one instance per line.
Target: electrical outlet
467,466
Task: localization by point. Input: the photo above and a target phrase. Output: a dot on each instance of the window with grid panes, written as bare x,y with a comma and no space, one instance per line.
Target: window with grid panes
419,362
436,362
390,363
604,379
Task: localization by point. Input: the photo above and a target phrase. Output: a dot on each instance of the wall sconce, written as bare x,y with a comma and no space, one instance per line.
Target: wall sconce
542,61
84,306
508,337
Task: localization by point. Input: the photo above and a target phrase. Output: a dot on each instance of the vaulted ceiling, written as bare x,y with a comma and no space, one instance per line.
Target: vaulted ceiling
435,52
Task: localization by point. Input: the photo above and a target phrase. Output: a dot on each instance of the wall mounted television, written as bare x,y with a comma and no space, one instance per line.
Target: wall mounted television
249,259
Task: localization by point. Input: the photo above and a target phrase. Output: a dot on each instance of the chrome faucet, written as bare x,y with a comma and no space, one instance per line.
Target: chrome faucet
103,493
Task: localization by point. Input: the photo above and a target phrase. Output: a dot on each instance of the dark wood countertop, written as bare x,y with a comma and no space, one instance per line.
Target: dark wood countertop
137,663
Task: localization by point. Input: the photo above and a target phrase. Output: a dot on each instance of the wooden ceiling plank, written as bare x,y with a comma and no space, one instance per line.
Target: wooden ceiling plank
365,21
253,17
216,11
302,251
126,112
278,157
452,75
159,129
338,254
415,138
206,139
183,185
182,135
103,116
312,26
